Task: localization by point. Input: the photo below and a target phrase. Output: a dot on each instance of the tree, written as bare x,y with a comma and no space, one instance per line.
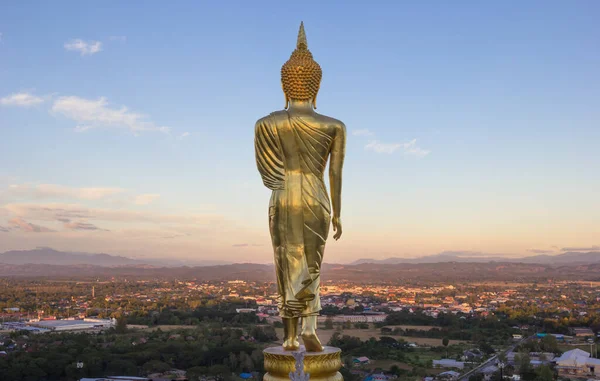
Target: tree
502,357
544,373
233,361
486,348
348,362
195,373
121,326
525,369
549,343
220,372
397,371
246,363
445,342
118,366
328,323
155,366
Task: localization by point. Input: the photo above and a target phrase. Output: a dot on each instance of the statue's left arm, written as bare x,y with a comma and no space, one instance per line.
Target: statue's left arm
337,153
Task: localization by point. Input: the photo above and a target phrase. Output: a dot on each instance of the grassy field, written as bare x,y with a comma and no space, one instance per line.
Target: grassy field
325,334
582,346
415,327
387,364
427,340
366,334
162,327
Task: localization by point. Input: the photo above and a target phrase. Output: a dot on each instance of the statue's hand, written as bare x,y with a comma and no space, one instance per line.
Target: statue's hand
337,227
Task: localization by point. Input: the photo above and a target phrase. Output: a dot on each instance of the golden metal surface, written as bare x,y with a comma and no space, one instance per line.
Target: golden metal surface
322,366
292,149
301,74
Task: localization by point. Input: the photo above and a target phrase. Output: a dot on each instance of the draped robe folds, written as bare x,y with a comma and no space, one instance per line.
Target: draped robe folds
291,156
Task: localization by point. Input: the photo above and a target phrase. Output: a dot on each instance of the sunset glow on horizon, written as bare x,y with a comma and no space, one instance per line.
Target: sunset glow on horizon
485,142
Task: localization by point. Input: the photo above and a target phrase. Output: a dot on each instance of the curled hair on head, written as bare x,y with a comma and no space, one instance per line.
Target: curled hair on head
301,74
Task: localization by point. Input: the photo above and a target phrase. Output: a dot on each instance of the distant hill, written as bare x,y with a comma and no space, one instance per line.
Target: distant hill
48,256
447,272
569,257
447,267
247,272
468,257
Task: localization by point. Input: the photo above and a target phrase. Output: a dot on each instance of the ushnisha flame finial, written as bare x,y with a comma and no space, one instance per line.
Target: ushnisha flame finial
301,74
302,44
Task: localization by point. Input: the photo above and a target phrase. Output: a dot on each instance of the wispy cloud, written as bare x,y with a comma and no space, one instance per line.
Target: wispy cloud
118,38
363,132
83,47
25,226
145,199
246,245
540,251
62,211
585,248
93,113
172,236
3,229
81,226
50,191
379,147
408,148
22,99
183,135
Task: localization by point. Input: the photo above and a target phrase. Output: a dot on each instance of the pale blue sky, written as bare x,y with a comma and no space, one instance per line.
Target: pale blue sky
501,97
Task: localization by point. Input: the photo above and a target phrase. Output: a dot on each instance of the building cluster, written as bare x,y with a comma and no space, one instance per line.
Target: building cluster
60,325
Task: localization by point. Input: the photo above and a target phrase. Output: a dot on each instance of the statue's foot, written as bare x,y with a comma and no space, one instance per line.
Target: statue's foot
290,334
291,344
311,342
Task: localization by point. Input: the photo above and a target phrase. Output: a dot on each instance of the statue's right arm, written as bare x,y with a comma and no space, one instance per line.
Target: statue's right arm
337,153
256,127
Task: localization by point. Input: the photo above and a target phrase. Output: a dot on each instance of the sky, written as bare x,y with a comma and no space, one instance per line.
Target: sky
128,127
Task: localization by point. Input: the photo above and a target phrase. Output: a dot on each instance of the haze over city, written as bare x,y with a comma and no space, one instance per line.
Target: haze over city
127,132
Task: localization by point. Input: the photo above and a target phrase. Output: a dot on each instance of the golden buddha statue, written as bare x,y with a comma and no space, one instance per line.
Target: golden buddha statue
292,147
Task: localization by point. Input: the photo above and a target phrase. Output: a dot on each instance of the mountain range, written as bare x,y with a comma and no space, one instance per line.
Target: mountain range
445,267
363,273
49,256
569,257
46,255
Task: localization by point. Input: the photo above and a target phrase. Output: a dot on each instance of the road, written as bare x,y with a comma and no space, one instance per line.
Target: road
491,360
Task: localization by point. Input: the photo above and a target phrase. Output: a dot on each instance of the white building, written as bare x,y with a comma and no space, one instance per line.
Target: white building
448,363
577,363
359,318
74,324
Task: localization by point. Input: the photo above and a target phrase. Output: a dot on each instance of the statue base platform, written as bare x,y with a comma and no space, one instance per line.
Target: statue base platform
322,366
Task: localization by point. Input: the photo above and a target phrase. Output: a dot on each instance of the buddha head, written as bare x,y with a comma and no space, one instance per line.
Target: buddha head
301,74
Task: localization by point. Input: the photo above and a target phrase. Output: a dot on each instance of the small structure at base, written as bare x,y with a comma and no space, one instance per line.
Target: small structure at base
361,360
298,374
322,366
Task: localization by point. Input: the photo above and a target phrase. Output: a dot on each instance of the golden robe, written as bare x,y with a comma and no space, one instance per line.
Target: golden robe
291,156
